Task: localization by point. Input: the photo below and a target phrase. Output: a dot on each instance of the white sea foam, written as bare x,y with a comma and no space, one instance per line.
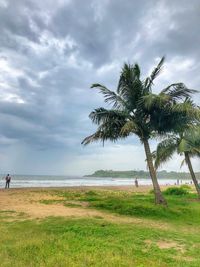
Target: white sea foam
21,181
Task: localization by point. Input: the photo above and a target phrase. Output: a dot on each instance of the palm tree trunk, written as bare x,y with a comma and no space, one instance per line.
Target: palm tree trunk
188,161
159,199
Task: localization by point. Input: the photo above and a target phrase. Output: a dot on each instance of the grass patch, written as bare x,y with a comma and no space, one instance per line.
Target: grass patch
11,215
187,187
93,242
181,207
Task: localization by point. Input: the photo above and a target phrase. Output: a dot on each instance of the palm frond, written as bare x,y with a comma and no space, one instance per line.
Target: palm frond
110,124
183,146
165,151
153,101
109,130
130,87
110,96
156,71
182,163
136,72
92,138
177,91
129,127
192,139
187,110
129,74
102,115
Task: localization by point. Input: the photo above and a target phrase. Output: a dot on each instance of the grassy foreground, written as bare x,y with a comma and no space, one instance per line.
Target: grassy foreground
133,232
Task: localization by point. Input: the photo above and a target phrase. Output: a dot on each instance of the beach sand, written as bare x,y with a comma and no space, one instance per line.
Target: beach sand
28,201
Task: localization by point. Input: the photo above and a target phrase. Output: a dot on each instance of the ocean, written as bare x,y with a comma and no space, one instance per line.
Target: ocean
23,181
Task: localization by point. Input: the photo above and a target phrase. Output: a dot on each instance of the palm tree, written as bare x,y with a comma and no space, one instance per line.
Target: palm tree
187,143
135,110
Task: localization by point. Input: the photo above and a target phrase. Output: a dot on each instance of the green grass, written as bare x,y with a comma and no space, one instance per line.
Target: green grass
94,242
11,215
180,208
57,242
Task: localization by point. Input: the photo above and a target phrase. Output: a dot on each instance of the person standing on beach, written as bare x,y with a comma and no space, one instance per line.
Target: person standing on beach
8,179
136,182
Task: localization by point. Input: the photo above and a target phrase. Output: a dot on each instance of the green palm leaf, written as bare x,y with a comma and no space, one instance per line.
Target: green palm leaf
102,115
178,91
165,151
130,127
110,96
156,71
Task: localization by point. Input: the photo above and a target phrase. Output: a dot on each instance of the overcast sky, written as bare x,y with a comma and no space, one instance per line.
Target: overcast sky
52,51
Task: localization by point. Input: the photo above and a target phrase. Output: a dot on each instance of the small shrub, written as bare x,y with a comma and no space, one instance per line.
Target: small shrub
91,193
186,187
176,191
151,191
90,196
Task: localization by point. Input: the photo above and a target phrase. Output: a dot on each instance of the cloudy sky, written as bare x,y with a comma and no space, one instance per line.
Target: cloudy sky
52,51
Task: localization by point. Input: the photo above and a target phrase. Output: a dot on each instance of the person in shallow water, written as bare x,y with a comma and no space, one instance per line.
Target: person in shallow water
8,179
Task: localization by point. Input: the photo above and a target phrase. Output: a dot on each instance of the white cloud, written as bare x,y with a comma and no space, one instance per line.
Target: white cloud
156,21
10,97
3,3
7,69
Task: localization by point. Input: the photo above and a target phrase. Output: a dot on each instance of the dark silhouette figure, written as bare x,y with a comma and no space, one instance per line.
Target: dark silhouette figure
8,179
136,182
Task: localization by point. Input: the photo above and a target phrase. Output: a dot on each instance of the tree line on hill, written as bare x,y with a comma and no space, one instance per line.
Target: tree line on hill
141,174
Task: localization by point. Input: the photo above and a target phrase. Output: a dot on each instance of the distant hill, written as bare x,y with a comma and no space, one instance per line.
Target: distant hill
141,174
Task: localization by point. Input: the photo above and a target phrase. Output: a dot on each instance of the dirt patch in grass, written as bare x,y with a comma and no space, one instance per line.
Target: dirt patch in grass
166,244
83,204
11,215
194,199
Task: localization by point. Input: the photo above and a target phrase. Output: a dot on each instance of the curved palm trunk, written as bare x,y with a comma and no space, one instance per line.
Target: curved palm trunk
159,199
188,161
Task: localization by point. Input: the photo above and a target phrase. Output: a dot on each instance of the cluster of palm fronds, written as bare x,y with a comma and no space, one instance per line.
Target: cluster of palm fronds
135,109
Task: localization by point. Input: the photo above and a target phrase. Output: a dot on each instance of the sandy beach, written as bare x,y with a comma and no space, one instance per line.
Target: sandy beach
42,217
29,201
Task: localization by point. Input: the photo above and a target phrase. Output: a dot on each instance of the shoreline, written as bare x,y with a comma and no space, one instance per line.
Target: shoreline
78,183
133,188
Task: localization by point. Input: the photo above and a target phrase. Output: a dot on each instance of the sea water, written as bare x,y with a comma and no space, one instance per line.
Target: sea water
22,181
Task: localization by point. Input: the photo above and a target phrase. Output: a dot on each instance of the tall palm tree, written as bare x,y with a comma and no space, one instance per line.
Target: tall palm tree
186,143
135,110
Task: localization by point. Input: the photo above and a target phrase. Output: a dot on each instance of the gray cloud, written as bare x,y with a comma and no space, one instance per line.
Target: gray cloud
51,52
